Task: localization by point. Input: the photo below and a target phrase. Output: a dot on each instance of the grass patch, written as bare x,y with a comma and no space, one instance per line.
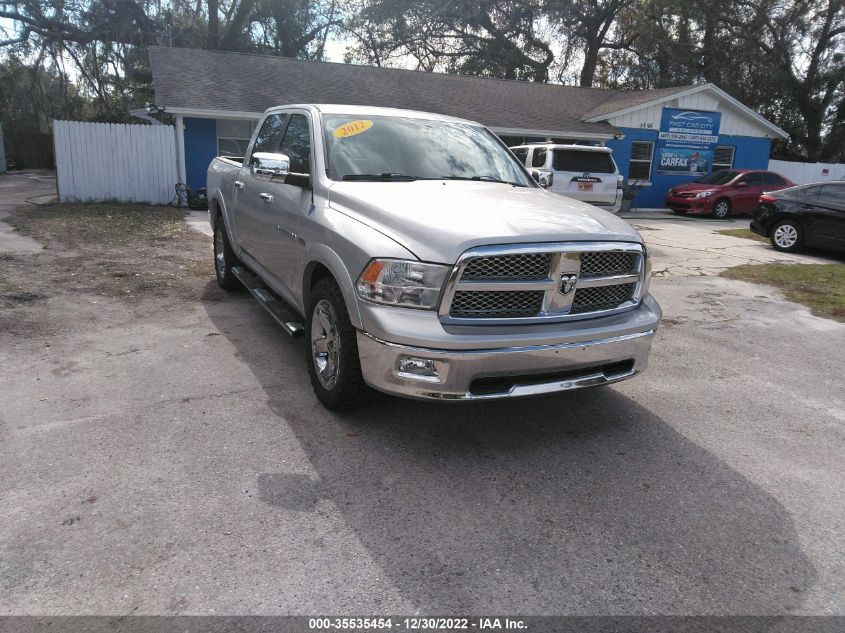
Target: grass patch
746,233
821,287
106,225
127,251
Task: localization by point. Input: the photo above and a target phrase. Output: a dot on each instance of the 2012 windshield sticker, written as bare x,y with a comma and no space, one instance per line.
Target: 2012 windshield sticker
352,128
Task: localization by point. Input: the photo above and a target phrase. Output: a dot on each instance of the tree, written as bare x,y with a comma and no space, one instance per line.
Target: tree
105,41
806,43
589,26
496,38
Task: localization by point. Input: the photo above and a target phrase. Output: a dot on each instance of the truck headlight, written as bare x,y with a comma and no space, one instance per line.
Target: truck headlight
402,283
646,272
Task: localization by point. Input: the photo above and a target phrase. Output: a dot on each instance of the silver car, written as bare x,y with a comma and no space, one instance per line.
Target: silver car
419,258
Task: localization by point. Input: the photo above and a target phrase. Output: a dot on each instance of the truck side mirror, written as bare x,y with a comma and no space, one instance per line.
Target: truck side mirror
270,164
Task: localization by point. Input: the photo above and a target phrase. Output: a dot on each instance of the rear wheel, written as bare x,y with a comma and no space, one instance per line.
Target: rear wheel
787,236
332,349
721,208
224,258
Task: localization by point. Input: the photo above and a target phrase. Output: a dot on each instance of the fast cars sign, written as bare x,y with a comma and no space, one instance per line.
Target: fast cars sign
686,141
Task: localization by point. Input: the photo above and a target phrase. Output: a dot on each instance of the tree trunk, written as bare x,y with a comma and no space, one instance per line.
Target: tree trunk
213,39
591,59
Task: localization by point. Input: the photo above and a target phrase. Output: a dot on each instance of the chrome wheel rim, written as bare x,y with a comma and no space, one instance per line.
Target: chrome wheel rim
325,343
786,235
721,209
219,254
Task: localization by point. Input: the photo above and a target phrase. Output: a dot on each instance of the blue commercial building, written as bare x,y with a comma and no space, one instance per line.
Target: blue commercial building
660,138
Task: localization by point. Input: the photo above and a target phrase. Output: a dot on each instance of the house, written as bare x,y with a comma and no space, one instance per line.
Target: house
660,138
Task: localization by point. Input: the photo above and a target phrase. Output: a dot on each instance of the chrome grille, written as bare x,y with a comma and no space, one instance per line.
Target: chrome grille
600,263
532,283
516,267
483,303
601,297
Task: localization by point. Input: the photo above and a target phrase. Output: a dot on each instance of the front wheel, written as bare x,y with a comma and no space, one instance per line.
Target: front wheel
721,209
224,258
787,236
332,349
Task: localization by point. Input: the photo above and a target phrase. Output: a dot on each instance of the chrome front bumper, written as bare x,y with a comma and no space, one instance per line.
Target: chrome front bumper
458,375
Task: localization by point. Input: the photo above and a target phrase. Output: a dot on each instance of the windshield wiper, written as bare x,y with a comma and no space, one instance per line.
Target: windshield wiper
481,178
385,175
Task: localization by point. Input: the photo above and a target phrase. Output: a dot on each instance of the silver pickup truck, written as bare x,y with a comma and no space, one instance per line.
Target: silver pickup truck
417,256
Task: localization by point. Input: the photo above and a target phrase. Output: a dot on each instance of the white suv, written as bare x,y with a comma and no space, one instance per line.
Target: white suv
583,172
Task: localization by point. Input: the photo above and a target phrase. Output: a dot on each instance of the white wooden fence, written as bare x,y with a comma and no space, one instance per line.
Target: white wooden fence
111,161
803,173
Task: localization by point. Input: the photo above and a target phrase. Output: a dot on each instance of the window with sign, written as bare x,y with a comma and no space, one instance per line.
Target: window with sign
639,167
723,157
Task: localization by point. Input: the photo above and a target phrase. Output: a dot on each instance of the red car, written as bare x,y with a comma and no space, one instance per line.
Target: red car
724,192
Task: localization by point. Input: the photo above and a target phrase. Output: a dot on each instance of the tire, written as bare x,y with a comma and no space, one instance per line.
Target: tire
787,236
679,211
721,208
224,258
331,349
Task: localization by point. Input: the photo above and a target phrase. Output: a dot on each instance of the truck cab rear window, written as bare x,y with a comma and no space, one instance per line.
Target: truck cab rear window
574,160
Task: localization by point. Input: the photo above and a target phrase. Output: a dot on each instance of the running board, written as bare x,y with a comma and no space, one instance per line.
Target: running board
278,309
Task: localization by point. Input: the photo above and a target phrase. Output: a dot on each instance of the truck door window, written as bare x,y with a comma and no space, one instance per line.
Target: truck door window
270,136
297,144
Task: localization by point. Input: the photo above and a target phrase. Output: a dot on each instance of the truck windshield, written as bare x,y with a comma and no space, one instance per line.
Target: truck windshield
385,148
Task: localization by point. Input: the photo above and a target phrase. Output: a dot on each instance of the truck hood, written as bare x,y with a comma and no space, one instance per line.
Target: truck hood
437,220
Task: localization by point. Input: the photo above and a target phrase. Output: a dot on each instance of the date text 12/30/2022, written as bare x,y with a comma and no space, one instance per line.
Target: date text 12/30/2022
418,623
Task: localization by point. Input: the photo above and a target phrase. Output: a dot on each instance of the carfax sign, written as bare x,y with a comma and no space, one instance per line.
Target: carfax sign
686,141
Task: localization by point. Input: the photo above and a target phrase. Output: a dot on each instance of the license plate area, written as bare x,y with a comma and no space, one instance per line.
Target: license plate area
585,186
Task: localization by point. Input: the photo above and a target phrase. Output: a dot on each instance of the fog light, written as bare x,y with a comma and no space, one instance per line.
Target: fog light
423,369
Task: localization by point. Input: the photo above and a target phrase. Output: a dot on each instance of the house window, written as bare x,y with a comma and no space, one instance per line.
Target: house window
639,167
233,136
723,157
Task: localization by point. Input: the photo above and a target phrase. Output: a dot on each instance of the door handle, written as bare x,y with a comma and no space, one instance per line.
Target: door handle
266,197
239,184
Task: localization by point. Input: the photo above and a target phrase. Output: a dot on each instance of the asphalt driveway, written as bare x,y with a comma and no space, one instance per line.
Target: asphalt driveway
166,455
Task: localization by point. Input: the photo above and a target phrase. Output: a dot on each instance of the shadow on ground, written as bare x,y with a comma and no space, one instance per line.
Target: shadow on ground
580,503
